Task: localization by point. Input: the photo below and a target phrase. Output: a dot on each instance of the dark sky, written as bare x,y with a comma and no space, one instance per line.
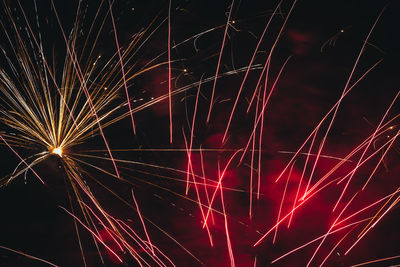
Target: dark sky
313,80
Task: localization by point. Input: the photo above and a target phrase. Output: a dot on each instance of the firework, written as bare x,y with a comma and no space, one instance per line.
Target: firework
52,113
241,139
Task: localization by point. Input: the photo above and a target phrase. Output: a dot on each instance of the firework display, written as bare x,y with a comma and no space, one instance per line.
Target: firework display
176,133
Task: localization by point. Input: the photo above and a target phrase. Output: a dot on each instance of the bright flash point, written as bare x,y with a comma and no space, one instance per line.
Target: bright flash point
57,151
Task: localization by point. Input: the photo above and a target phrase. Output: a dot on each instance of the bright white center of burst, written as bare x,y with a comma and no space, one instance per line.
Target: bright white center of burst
57,151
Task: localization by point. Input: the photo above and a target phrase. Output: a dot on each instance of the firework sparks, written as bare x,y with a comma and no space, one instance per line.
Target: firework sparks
58,151
226,150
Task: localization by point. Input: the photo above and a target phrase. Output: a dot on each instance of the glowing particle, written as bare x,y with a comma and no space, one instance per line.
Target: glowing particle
57,151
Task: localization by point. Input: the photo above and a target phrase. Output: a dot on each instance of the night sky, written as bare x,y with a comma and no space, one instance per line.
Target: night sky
322,40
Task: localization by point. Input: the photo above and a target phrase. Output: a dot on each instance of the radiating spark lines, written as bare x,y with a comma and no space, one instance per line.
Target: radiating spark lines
219,60
128,99
29,256
271,158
